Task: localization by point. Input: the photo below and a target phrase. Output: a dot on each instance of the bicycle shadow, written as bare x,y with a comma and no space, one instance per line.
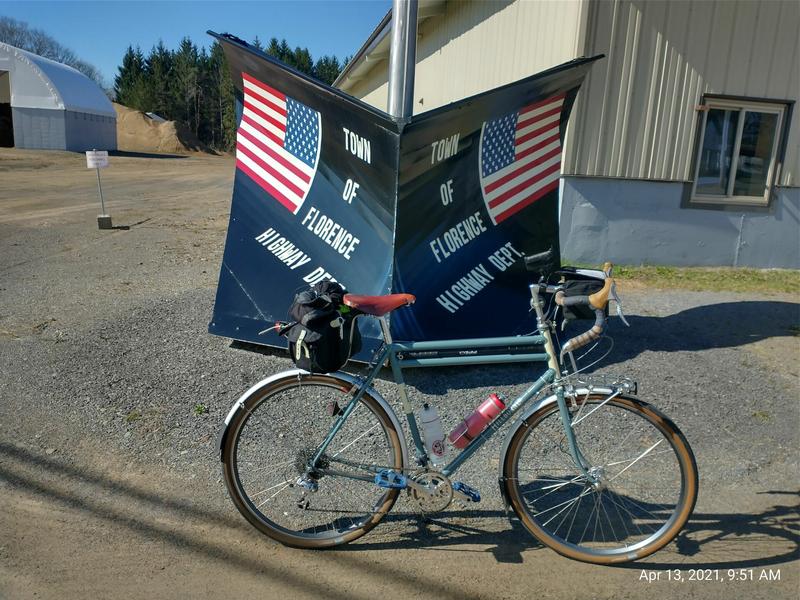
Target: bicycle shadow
734,538
708,541
722,325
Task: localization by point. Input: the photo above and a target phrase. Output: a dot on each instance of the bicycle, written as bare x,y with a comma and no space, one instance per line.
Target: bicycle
590,470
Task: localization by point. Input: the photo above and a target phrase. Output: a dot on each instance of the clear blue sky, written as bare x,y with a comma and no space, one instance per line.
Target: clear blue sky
99,32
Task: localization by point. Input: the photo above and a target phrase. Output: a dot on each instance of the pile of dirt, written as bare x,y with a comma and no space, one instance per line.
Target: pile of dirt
137,132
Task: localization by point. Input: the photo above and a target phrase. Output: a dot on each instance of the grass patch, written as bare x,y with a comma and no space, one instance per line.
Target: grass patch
762,416
711,279
133,416
200,409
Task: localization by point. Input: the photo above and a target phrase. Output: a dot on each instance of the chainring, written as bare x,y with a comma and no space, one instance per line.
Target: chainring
439,487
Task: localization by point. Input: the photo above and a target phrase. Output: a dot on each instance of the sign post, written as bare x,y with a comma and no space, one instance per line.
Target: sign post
98,159
402,58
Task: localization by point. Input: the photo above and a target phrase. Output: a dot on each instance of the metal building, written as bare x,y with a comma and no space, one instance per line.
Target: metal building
684,146
48,105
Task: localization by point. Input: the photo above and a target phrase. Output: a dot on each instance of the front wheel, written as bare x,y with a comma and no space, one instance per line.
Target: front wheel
641,488
270,442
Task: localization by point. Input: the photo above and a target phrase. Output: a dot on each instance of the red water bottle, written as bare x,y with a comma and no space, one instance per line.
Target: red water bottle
473,425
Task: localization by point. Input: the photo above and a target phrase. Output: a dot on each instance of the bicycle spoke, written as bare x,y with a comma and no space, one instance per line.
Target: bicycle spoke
270,488
608,518
640,507
554,489
271,451
558,486
567,513
355,440
598,521
635,473
570,502
637,459
619,462
588,521
574,514
275,494
595,409
621,519
274,467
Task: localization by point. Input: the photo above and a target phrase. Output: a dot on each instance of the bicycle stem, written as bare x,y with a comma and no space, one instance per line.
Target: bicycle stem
544,330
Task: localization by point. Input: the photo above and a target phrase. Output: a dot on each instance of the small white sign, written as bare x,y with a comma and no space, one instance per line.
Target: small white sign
96,159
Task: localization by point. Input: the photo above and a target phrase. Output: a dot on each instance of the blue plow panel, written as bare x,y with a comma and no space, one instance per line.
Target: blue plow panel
443,206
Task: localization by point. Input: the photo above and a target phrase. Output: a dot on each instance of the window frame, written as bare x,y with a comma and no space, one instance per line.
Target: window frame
742,105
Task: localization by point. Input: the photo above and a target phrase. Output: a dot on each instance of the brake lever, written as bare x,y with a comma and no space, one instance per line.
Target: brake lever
616,299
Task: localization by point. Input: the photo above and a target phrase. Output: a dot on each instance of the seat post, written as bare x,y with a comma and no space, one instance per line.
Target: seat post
387,336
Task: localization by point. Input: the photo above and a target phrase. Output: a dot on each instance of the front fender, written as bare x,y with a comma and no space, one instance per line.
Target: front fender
346,377
520,420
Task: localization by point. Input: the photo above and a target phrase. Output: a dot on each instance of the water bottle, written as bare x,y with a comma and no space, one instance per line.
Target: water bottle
474,424
433,434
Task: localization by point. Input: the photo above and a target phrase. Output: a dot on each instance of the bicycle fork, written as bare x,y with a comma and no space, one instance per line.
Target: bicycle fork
552,363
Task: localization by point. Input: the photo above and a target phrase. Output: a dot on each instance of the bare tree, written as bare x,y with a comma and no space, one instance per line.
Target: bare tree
21,35
14,32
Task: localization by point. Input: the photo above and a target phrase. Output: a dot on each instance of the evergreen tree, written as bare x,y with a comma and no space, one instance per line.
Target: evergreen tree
185,83
194,86
285,53
222,100
130,85
327,69
302,61
159,72
274,48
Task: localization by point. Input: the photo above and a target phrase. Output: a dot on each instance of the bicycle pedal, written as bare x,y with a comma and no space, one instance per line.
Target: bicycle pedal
466,493
391,479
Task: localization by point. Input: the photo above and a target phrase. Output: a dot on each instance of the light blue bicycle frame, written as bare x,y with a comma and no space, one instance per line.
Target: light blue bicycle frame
393,352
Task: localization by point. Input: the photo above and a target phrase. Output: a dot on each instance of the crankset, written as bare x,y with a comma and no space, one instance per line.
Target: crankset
430,490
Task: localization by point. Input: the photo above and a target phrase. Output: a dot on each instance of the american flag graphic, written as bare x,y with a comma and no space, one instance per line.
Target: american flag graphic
277,144
520,157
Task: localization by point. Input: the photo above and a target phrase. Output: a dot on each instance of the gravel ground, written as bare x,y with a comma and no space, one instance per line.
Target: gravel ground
106,365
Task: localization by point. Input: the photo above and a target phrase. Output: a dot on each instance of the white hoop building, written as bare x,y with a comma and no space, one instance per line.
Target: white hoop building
48,105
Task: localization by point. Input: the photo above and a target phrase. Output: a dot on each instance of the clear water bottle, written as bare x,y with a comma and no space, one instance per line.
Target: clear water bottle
474,424
433,434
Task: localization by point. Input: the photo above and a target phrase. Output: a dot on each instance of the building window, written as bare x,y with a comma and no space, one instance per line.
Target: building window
738,151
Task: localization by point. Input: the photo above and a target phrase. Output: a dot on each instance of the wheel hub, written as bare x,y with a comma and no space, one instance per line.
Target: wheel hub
304,457
597,477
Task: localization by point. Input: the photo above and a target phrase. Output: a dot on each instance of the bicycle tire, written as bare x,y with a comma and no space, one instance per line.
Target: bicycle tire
662,505
286,421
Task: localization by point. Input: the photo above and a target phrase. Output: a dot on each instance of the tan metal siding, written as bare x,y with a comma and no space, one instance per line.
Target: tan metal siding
476,46
636,116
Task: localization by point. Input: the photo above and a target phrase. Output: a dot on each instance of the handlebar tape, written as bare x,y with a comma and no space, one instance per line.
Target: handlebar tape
585,338
598,301
562,300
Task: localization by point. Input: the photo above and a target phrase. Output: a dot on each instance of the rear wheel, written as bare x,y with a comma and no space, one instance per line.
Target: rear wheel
644,488
271,440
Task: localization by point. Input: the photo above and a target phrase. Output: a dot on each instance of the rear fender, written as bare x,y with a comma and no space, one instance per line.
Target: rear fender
345,377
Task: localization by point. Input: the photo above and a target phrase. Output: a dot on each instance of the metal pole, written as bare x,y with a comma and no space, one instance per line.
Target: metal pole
100,189
402,59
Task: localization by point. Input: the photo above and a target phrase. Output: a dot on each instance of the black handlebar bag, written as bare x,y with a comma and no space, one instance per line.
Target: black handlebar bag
579,282
323,335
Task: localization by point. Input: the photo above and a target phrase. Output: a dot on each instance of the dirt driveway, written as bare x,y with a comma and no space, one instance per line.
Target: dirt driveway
112,392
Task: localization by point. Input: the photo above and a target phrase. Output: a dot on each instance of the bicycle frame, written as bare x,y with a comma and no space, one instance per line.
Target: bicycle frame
393,353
